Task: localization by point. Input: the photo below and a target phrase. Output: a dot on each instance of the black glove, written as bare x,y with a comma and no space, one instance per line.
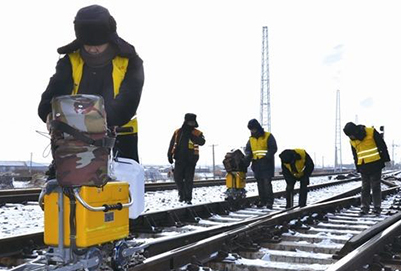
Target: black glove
170,159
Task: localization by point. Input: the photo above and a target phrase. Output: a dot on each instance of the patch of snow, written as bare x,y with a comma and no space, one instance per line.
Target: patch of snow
286,266
21,219
16,219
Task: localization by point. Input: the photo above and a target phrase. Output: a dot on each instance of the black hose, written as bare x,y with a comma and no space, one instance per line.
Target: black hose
73,229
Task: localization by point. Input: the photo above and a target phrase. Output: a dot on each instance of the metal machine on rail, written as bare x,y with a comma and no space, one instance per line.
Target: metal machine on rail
234,164
86,210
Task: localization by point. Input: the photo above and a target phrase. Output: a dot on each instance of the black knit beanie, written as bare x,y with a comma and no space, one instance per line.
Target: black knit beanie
288,156
350,129
254,124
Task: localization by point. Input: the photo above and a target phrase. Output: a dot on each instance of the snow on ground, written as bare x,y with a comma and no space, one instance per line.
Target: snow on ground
266,263
300,253
16,219
21,219
161,200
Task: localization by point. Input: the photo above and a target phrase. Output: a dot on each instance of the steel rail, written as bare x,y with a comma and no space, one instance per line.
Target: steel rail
169,243
207,249
153,220
364,254
161,218
32,194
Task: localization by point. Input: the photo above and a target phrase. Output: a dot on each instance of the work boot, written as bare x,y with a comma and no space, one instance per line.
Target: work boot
377,211
260,204
363,212
290,199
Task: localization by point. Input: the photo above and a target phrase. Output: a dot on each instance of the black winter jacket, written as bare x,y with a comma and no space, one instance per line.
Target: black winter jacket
99,81
309,167
376,165
182,153
262,168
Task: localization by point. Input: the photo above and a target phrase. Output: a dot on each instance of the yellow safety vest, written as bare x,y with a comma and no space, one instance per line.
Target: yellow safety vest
366,149
191,145
259,146
120,65
299,164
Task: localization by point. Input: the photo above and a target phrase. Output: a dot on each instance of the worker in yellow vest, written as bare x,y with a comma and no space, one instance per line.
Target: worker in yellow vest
260,150
296,165
99,62
370,155
184,150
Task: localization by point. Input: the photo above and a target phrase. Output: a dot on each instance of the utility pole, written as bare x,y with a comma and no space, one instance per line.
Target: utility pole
214,165
338,163
265,118
30,164
392,153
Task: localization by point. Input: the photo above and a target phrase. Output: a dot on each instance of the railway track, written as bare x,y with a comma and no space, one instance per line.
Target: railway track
32,194
153,222
176,228
309,238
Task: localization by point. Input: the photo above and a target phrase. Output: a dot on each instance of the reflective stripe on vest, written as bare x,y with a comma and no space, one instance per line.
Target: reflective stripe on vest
191,145
299,164
366,149
120,65
259,146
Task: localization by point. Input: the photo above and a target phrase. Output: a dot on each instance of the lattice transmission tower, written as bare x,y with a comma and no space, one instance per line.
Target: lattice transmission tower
338,163
265,118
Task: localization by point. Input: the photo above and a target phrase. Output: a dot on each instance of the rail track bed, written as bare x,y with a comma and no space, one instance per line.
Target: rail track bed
317,237
310,243
162,223
171,231
32,194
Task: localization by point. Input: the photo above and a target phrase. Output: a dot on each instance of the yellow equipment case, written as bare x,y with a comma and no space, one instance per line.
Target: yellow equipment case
92,228
235,179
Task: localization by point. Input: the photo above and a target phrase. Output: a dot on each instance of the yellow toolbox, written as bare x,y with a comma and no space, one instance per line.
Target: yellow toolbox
92,227
235,179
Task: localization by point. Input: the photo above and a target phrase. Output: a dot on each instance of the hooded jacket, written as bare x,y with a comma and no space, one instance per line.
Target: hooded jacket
370,167
296,165
119,109
94,26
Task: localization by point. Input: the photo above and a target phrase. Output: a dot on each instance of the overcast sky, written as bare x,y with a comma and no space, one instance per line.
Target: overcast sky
204,57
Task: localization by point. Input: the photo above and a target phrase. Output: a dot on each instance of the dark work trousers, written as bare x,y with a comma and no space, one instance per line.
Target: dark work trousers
289,194
265,191
184,178
126,146
303,193
371,180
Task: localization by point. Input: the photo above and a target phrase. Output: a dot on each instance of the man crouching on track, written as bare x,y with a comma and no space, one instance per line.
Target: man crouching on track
297,166
260,150
370,153
184,149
